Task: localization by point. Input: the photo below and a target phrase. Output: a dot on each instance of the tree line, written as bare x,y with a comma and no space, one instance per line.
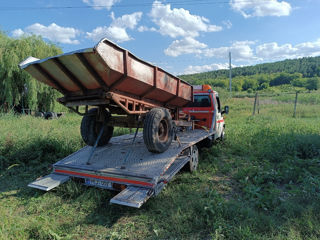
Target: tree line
304,73
17,87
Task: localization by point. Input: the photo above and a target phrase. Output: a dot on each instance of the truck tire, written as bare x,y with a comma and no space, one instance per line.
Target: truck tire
90,129
222,136
158,130
194,158
206,143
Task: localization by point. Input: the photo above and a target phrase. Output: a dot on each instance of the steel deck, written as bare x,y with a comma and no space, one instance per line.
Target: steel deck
122,159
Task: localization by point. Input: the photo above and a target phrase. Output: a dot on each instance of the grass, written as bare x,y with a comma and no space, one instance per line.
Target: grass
262,183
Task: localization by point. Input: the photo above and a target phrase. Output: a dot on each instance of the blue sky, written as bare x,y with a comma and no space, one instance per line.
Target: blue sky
181,36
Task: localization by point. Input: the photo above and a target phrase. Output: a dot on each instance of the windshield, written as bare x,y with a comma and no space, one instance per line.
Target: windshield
200,101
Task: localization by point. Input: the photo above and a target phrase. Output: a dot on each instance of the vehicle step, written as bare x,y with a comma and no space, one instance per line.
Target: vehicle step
49,182
132,196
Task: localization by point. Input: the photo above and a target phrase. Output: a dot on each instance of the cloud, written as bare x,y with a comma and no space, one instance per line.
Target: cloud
227,23
206,68
146,29
179,22
240,50
273,51
261,8
53,32
117,30
185,46
101,4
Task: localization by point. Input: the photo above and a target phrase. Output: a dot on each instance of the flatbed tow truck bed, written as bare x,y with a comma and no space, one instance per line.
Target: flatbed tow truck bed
126,164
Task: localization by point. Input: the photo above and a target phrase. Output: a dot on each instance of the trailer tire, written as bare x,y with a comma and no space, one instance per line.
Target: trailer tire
90,129
158,130
194,158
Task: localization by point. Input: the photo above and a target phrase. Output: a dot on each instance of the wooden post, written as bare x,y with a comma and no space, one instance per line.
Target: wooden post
295,105
255,104
258,102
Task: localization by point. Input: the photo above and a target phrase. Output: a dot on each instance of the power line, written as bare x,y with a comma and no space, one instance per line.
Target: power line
199,2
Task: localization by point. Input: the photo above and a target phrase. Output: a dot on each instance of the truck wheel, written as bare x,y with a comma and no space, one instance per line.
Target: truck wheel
158,130
222,136
207,142
194,158
90,129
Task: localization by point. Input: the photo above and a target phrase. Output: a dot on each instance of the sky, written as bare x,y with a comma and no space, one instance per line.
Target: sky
180,36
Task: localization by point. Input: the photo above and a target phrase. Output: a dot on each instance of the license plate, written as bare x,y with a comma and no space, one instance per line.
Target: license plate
99,183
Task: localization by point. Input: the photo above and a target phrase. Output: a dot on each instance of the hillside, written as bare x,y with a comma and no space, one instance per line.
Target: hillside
302,72
307,66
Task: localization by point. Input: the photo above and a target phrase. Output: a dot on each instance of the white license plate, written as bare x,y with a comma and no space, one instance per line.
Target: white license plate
98,183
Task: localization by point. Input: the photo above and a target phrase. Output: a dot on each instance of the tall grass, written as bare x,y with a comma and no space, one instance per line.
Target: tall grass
262,183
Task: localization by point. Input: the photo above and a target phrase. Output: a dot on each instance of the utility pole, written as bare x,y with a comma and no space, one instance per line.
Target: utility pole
230,76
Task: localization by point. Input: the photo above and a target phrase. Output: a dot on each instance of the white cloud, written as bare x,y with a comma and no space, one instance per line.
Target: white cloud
101,4
146,29
261,8
17,33
206,68
240,50
178,22
273,51
53,32
227,23
185,46
117,31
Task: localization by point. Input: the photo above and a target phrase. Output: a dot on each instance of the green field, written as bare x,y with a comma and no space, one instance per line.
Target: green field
263,182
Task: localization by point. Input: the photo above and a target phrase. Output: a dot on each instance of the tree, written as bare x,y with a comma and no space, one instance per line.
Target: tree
312,83
17,87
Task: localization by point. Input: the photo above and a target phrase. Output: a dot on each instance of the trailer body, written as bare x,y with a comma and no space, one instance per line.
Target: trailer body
86,76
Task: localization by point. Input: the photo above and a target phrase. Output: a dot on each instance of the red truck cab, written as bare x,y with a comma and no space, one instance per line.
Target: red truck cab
206,112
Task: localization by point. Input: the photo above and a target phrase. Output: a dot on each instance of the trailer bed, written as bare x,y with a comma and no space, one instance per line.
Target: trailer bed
123,162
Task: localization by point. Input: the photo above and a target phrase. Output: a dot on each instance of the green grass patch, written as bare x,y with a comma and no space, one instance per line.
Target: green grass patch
262,183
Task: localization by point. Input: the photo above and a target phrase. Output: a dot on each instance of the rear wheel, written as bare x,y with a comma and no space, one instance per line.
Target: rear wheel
158,130
90,129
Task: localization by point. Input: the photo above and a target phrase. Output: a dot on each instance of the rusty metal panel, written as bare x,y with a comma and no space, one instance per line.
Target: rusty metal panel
109,67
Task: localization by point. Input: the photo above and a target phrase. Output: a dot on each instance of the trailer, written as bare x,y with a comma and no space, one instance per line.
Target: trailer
126,91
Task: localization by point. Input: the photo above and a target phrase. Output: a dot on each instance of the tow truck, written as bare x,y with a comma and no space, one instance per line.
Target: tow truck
118,89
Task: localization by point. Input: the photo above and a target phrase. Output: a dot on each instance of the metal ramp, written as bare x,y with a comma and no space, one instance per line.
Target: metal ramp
132,196
49,182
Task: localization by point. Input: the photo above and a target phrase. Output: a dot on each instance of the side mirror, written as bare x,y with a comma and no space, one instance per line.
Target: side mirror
226,110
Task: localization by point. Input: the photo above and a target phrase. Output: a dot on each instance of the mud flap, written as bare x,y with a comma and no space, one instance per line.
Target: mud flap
49,182
132,196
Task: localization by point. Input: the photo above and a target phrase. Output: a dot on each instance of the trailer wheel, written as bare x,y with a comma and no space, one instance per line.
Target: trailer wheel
194,158
158,130
90,129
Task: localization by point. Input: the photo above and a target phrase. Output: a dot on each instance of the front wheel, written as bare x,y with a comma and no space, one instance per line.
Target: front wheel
158,130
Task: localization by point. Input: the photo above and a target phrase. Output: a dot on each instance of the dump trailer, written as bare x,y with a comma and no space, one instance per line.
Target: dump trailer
119,89
126,91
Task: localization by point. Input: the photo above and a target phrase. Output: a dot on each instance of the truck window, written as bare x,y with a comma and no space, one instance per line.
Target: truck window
201,101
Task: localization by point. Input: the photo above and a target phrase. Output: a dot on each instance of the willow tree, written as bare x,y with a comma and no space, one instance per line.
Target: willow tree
17,87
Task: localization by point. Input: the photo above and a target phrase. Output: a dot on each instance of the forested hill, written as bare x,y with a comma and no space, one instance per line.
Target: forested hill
307,66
